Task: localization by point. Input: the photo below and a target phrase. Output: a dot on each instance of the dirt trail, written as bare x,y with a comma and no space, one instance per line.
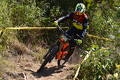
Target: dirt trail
26,70
51,72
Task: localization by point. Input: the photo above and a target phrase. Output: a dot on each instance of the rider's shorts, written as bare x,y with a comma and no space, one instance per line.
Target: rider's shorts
73,31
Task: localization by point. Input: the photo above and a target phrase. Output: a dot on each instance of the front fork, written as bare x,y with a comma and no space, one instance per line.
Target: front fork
56,44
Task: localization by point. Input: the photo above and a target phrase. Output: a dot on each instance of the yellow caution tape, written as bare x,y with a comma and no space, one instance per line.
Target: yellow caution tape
117,66
23,28
86,57
102,38
14,28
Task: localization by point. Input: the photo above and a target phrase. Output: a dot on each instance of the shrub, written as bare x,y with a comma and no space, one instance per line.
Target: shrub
99,65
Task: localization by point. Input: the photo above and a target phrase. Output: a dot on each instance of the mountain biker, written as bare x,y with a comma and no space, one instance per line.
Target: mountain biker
79,23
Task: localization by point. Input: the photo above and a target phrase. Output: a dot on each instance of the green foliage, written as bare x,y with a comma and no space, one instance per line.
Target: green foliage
55,11
118,14
98,65
104,16
5,20
26,14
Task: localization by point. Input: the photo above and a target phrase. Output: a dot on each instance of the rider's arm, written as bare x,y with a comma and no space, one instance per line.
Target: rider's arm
64,18
86,23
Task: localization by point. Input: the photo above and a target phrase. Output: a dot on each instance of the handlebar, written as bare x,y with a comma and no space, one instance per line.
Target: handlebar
63,32
68,36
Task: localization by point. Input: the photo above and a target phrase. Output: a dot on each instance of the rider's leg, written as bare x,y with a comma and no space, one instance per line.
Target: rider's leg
72,43
82,33
71,31
70,52
68,56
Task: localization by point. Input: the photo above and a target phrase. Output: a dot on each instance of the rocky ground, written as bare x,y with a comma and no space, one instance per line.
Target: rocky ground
25,69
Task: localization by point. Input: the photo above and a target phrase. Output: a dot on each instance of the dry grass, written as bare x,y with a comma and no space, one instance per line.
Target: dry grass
19,47
17,50
2,66
5,66
39,53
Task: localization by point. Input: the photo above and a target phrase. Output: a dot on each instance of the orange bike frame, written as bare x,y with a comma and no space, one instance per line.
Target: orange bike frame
63,49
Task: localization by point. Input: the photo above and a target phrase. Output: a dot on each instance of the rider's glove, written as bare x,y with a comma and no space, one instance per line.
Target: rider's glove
55,23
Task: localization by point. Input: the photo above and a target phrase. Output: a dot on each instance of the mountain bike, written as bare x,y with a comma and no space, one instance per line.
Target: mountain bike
59,50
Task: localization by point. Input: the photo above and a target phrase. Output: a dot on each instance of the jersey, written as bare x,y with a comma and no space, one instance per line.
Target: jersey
79,20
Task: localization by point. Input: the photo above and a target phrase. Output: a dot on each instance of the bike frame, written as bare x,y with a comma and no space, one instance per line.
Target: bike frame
58,51
64,45
63,49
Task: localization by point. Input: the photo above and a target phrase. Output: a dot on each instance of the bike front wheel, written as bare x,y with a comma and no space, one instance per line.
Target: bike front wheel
49,57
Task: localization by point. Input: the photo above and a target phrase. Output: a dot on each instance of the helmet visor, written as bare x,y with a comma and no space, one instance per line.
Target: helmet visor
78,8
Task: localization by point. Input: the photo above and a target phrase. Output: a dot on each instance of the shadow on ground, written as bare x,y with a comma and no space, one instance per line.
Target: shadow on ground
46,71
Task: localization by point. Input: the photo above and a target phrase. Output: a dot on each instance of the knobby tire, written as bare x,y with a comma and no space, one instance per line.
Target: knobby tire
49,57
